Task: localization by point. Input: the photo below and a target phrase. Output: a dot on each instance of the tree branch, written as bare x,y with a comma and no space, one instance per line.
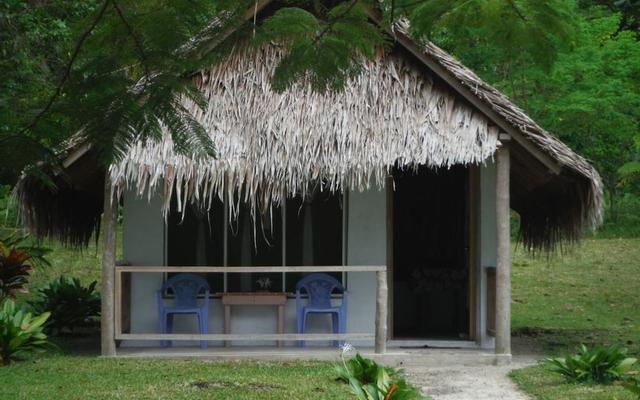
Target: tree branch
334,21
517,10
67,70
136,39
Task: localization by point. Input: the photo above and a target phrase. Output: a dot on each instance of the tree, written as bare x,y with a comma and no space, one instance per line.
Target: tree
35,38
591,99
120,75
589,96
109,71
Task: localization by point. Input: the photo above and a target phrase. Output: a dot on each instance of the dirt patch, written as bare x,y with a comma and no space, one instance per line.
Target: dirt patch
262,387
537,332
210,385
255,387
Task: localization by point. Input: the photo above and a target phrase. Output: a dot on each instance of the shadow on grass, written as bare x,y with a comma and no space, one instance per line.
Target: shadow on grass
85,344
561,341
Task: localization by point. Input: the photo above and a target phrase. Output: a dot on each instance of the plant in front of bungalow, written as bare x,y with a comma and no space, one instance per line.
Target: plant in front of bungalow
14,273
597,365
71,305
370,381
21,333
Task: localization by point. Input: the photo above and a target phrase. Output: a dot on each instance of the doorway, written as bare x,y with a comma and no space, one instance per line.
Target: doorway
431,253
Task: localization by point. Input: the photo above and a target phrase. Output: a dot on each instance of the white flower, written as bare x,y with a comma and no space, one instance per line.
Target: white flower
346,347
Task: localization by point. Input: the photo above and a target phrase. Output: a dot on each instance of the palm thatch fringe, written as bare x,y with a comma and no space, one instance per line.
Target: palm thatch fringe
63,212
274,145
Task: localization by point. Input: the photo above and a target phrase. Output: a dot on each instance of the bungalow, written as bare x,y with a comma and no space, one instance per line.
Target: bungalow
399,187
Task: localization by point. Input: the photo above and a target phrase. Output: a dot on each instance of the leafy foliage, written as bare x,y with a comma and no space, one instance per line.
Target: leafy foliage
589,95
522,30
593,91
598,365
114,73
324,49
371,381
23,242
35,38
20,333
70,304
14,273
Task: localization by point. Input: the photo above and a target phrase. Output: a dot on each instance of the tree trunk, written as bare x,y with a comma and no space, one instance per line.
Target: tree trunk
613,212
503,253
109,221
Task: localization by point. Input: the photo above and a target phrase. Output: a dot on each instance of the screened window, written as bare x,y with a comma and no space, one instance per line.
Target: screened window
314,234
197,238
258,244
308,233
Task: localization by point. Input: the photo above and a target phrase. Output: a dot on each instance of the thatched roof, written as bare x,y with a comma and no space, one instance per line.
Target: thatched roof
270,145
413,106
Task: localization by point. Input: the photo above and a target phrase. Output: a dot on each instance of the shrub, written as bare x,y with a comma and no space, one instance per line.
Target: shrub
71,305
20,333
14,273
597,365
371,381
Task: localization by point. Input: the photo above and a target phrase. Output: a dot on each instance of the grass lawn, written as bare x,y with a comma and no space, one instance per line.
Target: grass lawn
590,295
65,377
542,384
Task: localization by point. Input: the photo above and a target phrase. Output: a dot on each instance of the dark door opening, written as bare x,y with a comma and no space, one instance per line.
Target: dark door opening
430,254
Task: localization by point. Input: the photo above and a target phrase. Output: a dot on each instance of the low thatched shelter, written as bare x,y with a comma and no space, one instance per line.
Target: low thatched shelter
413,166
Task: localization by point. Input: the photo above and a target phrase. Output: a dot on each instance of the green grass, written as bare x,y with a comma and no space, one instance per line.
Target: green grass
64,377
543,384
589,295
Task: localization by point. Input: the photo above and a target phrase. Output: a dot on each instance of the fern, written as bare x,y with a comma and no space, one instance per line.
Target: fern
326,50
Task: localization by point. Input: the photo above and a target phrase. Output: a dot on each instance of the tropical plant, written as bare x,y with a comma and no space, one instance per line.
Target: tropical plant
597,365
24,242
370,381
20,332
71,304
14,273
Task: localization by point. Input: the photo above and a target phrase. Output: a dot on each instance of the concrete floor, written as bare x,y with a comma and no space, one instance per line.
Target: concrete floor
469,382
394,356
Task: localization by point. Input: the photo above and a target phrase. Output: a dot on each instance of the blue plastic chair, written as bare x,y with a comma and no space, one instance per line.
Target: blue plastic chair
319,287
185,288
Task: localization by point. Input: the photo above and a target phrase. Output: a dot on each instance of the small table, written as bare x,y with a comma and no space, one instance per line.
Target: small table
253,298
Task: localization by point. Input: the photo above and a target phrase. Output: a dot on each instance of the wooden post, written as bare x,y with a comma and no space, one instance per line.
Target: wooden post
503,250
381,312
109,220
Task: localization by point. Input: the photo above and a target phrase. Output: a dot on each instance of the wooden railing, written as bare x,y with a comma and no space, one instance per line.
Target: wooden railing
380,335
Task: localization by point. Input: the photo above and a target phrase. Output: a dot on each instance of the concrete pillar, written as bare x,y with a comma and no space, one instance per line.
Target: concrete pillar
503,253
109,221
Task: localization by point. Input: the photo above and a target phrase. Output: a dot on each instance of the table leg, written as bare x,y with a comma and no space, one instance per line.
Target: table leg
280,322
227,323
